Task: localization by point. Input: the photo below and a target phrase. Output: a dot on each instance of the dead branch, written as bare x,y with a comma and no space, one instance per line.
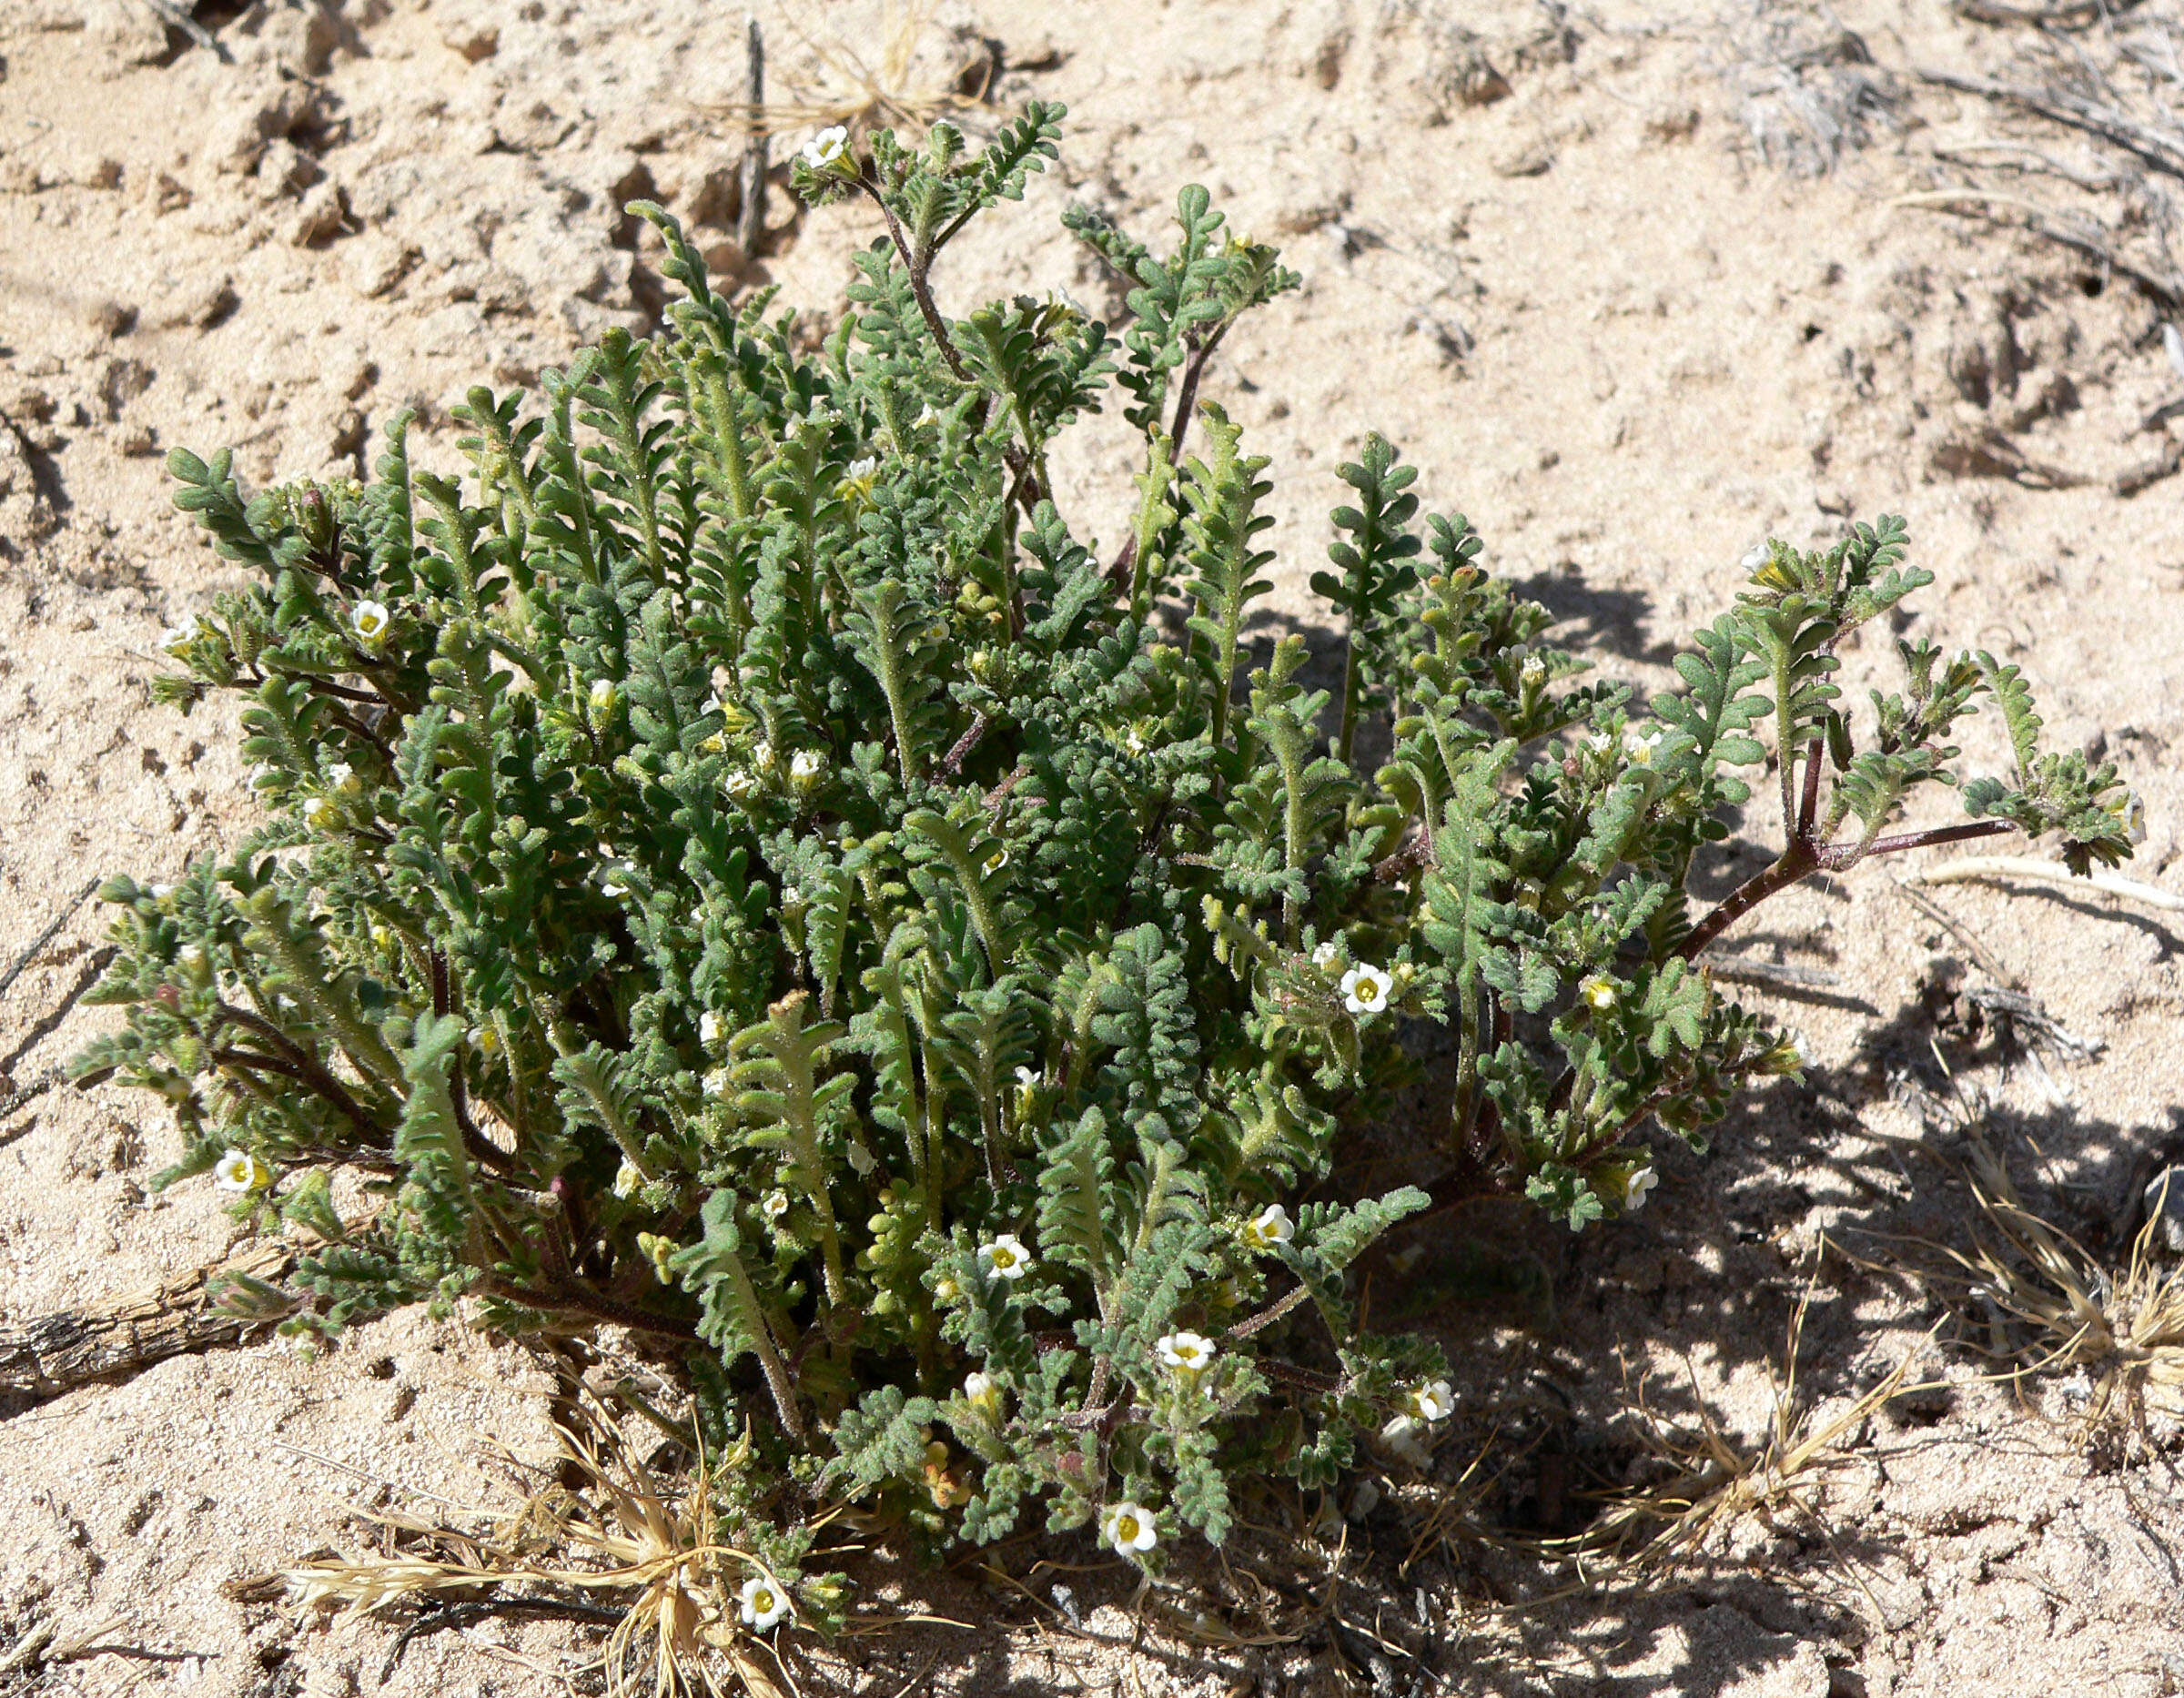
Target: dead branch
58,1353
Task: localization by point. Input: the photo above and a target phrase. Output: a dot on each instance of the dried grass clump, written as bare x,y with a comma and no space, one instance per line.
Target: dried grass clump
863,95
625,1537
2047,1308
1712,1482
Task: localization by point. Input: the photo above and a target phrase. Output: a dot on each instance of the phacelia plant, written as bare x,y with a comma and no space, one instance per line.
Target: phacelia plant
741,869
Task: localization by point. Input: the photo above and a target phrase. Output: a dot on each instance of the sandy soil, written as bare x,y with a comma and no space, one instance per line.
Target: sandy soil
1627,284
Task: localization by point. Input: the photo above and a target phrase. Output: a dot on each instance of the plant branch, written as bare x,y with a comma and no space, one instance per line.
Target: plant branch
303,1067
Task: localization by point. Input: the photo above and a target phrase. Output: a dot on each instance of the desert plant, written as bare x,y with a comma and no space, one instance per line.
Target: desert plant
741,869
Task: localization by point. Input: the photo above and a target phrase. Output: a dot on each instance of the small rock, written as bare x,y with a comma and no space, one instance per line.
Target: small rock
201,308
2165,1209
377,262
110,317
472,41
320,219
121,382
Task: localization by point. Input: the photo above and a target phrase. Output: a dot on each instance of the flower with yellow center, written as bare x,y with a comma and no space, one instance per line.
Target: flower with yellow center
775,1206
982,1394
1430,1402
765,1601
995,862
1636,1188
318,812
1186,1352
1006,1256
1129,1528
603,696
827,148
371,623
806,765
1598,992
239,1171
1270,1226
1365,990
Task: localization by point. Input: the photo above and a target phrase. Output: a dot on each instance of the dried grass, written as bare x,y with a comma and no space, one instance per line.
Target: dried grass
625,1537
2116,193
1713,1481
2046,1307
863,96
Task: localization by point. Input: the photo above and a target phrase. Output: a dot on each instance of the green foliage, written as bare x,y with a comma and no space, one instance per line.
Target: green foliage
739,868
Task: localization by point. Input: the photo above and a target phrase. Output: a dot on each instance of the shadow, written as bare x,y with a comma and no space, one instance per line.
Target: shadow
1588,617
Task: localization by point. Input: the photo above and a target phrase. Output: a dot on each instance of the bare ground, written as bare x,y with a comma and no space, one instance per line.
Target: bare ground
1627,283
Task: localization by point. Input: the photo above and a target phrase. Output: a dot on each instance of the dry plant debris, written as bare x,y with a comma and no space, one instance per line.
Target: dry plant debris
2046,1307
1713,1481
692,1608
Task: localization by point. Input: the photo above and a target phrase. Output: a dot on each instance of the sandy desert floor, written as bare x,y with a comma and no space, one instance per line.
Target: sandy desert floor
1636,284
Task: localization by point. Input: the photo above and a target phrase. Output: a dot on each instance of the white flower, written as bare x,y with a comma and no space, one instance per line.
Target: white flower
1598,992
1135,743
192,956
742,784
1641,749
1403,1435
1007,1257
995,862
925,416
1270,1226
370,621
239,1171
806,765
175,637
603,695
1599,740
1754,558
614,881
859,470
1027,1077
1365,990
827,148
716,1083
765,1601
317,812
861,1158
1186,1352
791,900
627,1179
708,1028
1430,1402
761,752
775,1206
342,776
1129,1528
981,1393
1534,672
1324,956
1638,1186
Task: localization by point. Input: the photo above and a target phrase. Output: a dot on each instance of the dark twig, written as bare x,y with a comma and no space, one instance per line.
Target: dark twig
463,1613
52,931
751,223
